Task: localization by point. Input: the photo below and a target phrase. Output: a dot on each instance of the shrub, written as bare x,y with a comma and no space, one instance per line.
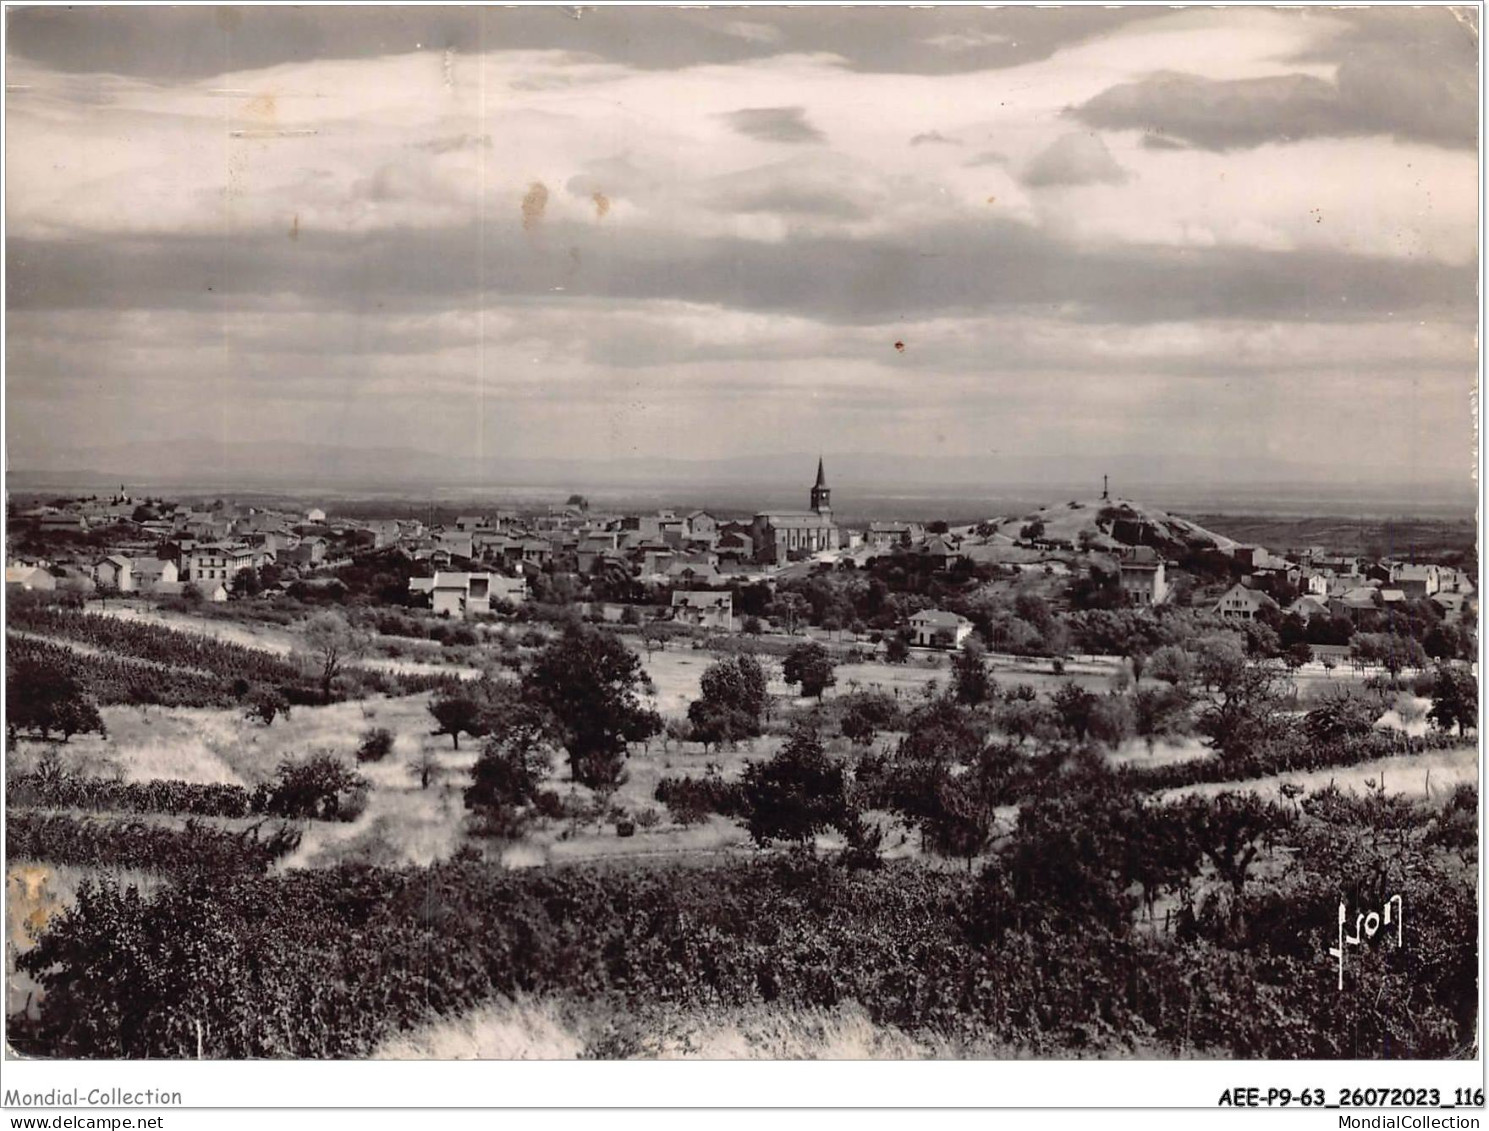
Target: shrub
689,801
316,788
797,794
376,745
265,705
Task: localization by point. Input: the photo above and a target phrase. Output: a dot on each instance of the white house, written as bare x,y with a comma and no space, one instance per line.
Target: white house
456,593
1240,603
29,577
315,514
114,572
147,573
934,628
221,561
1142,580
704,609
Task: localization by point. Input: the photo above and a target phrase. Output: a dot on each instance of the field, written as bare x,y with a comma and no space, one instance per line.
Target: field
1429,537
276,640
1430,776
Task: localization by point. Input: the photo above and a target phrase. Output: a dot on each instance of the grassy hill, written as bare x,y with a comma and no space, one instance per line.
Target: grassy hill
1105,524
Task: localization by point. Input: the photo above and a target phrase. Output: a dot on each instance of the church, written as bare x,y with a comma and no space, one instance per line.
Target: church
786,536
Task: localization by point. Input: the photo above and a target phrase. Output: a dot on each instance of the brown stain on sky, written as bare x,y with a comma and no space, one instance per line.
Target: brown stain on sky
900,346
602,205
295,227
263,109
533,205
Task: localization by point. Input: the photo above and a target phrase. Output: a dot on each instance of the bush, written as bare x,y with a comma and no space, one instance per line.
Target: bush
381,951
514,761
102,843
376,745
689,801
56,790
316,788
265,705
797,794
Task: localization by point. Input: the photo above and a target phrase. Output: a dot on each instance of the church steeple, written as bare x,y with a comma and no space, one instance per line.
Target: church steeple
821,492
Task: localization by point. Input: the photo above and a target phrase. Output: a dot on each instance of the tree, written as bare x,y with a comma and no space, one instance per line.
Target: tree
266,705
1297,654
425,767
655,634
797,794
897,648
247,583
1340,719
318,787
514,761
957,811
459,712
332,642
811,666
970,682
1455,698
1022,719
1159,712
738,684
940,730
1241,698
1075,706
716,724
1069,860
867,714
590,682
1171,664
43,698
791,606
1231,829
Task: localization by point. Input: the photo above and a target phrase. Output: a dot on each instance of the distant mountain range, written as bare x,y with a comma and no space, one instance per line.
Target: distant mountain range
769,479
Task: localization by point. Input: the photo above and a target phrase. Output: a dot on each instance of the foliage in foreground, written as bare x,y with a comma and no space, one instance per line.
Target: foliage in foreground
100,842
330,964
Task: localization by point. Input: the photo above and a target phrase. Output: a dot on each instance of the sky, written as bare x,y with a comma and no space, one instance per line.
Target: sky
1240,240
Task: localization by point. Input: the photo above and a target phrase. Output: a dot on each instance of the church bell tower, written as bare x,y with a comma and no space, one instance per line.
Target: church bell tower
821,492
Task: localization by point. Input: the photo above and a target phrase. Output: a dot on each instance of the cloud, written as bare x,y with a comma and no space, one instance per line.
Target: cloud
966,40
1074,159
941,268
192,42
786,124
933,137
989,158
373,279
456,143
1409,74
1220,115
753,32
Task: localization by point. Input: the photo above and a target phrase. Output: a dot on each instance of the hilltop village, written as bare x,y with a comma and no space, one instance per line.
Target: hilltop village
641,753
921,584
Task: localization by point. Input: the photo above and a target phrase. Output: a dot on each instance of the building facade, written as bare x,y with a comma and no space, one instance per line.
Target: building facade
784,536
